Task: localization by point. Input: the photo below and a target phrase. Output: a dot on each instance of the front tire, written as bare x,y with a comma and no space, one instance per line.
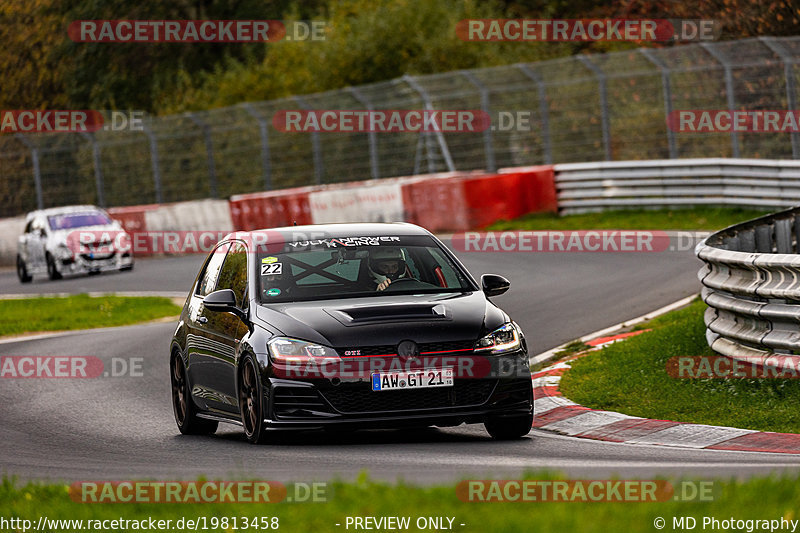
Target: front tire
251,404
510,427
22,271
182,405
52,270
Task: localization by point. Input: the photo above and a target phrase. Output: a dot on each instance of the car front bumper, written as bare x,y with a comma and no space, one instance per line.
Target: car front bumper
86,263
318,404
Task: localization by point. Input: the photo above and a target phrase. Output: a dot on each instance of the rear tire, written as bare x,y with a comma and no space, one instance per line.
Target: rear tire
52,270
22,271
251,401
509,428
182,405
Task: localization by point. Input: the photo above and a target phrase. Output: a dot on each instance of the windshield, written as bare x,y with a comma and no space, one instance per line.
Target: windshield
78,220
358,267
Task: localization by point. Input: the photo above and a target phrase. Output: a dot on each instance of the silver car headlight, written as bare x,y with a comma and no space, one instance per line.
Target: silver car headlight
504,339
63,251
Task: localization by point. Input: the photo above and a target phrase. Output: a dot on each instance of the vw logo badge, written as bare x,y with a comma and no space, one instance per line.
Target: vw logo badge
408,350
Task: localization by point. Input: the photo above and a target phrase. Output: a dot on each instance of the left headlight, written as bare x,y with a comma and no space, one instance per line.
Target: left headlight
504,339
63,251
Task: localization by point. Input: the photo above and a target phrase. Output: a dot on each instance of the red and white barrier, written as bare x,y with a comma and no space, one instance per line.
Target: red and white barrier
452,201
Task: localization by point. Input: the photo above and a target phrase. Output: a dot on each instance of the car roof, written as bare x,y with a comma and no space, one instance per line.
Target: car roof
339,230
63,210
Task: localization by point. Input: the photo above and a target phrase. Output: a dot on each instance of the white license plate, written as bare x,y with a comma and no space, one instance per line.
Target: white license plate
417,379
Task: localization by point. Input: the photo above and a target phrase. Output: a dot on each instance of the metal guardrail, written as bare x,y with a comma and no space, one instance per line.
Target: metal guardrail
583,187
751,283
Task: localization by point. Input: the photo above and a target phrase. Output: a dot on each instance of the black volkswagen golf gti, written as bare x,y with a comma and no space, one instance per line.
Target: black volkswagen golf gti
346,326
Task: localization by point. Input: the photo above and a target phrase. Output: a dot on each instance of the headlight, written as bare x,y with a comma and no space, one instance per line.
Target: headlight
503,339
63,252
283,349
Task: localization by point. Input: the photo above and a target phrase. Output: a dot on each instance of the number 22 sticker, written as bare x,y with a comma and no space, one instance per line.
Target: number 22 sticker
273,268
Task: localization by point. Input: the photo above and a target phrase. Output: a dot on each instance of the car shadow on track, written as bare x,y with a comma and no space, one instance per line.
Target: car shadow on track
310,439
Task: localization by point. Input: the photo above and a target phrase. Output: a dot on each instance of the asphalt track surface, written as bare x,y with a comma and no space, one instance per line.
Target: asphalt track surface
123,428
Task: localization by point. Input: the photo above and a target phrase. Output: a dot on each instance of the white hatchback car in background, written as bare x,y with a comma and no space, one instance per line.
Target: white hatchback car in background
49,244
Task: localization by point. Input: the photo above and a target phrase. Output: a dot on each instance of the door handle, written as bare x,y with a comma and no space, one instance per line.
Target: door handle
202,320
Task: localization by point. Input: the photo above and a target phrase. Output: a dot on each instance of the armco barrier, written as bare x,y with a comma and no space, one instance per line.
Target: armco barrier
664,183
751,283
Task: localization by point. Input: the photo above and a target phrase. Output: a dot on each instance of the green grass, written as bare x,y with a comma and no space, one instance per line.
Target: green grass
80,312
630,377
767,498
696,218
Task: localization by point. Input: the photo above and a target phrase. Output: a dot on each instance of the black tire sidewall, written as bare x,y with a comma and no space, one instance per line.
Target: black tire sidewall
22,271
258,434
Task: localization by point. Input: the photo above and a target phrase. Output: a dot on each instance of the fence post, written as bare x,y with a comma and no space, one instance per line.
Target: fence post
266,166
601,82
728,91
154,160
667,89
488,141
98,170
788,62
37,172
212,169
373,142
429,106
544,110
319,170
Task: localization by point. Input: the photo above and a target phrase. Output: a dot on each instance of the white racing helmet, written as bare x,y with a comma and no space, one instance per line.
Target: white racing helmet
377,259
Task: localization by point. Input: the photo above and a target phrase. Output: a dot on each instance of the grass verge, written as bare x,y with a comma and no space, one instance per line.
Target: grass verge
695,218
760,498
80,312
630,377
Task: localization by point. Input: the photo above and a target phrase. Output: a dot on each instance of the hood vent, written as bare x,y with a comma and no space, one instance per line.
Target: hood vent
388,313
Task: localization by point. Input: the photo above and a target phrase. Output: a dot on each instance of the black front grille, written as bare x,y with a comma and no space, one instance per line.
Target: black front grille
391,349
446,346
297,402
360,398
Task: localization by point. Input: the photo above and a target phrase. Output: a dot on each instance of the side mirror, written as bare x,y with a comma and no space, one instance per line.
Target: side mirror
223,301
42,232
494,285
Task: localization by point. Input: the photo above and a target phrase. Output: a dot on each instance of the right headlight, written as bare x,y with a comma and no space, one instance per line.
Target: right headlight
504,339
285,349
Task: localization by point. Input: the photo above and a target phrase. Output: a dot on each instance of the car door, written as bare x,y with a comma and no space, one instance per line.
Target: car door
225,330
199,345
35,243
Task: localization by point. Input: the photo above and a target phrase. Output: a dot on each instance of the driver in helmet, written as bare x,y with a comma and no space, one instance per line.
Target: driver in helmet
387,265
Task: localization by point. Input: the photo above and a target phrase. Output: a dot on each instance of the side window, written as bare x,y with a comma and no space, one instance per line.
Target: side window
209,278
29,227
234,272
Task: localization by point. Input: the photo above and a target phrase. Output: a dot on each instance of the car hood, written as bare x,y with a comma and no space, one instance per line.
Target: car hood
386,320
61,235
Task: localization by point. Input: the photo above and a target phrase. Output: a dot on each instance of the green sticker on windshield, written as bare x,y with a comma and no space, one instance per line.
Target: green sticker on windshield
269,260
273,292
